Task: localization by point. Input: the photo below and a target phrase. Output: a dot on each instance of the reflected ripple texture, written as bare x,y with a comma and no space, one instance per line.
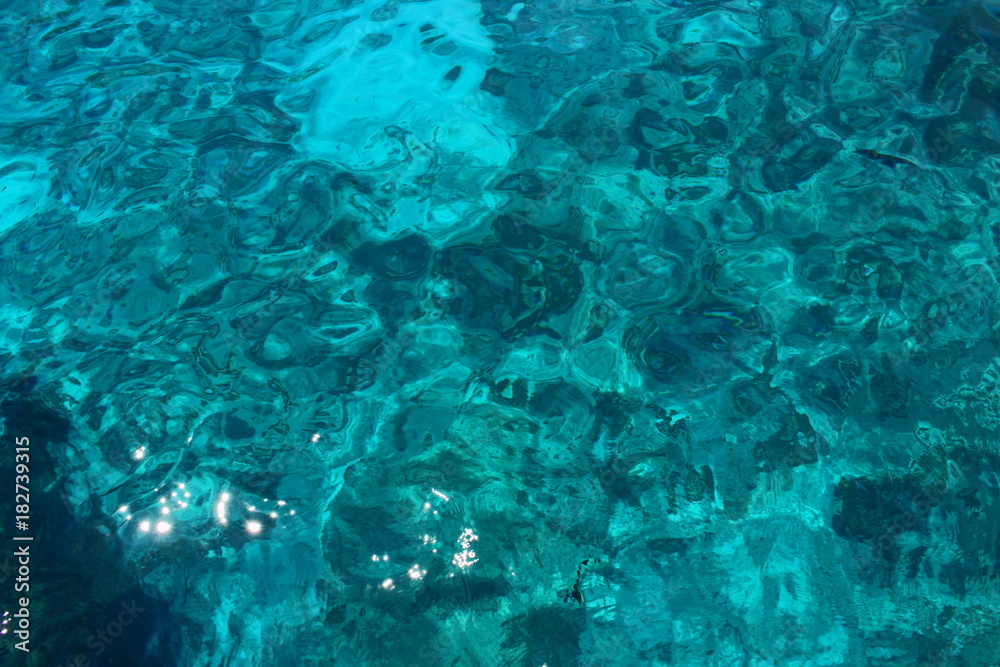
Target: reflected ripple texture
457,332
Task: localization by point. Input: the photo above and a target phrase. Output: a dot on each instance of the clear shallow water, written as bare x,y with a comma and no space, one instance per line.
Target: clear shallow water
460,333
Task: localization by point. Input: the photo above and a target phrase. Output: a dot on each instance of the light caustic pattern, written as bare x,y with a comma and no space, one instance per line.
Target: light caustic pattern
498,332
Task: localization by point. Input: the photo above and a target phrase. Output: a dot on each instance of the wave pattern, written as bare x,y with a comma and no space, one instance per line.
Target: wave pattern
454,332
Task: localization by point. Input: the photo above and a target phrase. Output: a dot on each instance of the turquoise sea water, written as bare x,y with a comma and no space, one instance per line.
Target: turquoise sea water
367,332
